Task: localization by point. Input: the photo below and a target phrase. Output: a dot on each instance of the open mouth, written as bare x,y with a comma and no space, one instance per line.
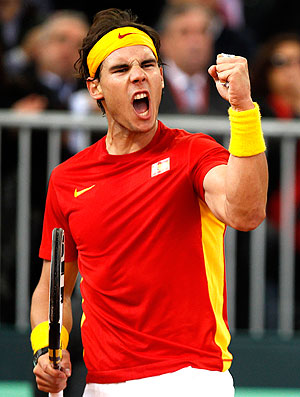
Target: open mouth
141,103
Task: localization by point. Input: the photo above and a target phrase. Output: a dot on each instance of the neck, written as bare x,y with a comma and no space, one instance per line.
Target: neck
122,141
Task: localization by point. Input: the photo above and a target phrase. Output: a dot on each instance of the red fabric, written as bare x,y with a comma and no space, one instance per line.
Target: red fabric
138,238
281,109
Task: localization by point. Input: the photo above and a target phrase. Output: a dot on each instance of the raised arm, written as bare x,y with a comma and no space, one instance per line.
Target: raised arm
237,192
47,378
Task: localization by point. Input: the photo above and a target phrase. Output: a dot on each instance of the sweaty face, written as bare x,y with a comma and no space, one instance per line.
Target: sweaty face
131,85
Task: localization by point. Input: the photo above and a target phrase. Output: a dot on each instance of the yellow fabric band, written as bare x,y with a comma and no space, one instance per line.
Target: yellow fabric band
113,40
246,133
40,337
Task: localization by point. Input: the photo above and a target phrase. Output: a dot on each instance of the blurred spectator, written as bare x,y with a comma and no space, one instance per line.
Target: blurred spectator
51,73
47,84
230,10
16,18
42,67
276,76
276,87
231,34
193,32
187,40
22,56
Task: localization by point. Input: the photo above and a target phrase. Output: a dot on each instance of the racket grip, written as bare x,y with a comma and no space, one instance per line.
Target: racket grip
59,394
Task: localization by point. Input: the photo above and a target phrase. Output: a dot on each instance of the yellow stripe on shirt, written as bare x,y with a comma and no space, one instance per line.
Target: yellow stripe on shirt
213,249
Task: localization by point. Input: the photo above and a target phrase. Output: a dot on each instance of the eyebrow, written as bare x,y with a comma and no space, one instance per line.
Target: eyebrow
126,65
118,66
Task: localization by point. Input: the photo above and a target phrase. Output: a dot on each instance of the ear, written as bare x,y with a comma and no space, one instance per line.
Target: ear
94,88
162,77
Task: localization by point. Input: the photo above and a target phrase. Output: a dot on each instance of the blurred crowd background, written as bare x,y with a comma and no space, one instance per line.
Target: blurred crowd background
39,41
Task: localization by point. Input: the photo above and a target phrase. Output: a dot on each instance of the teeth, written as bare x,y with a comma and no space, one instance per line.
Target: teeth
140,96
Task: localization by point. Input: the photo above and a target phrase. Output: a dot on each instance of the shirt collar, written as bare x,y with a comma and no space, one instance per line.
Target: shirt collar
181,80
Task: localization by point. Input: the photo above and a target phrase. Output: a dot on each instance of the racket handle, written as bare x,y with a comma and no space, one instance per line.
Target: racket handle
59,394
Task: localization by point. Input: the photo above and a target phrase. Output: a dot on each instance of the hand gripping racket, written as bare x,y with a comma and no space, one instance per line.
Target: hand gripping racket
56,296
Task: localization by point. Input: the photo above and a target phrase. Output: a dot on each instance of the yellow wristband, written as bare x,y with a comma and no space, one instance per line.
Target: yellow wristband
40,337
246,133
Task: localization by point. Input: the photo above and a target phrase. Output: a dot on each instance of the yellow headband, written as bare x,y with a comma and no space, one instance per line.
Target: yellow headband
113,40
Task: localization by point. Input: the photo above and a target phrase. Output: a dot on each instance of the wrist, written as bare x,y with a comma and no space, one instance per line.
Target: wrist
40,337
246,132
38,354
243,106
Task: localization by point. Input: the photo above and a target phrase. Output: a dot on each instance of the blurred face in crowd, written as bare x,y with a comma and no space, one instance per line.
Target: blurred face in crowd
284,75
188,40
59,46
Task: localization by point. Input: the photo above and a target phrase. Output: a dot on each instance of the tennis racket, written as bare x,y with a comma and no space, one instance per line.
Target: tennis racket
56,300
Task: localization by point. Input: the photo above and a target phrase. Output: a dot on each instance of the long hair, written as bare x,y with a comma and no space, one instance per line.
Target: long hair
262,63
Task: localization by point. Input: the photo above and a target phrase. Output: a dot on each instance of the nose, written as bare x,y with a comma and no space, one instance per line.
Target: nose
137,74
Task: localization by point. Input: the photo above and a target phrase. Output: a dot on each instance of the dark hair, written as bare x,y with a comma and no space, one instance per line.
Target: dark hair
261,65
105,21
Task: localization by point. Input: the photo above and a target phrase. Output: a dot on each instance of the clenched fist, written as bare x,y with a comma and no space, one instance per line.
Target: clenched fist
52,380
231,76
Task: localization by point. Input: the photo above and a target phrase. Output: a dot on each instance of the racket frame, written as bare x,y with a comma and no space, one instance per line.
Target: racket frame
56,295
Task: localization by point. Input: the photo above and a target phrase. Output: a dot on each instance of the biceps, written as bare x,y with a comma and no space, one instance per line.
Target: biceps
214,191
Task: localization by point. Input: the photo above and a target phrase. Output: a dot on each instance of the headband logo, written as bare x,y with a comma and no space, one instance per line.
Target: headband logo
121,36
112,41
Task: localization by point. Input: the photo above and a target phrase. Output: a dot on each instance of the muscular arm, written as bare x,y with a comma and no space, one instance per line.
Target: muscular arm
237,192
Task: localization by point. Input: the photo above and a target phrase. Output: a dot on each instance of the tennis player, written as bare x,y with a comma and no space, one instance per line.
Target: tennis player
144,212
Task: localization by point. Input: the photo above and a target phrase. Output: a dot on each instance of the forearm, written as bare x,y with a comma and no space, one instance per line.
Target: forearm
246,191
40,297
237,193
247,171
40,308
